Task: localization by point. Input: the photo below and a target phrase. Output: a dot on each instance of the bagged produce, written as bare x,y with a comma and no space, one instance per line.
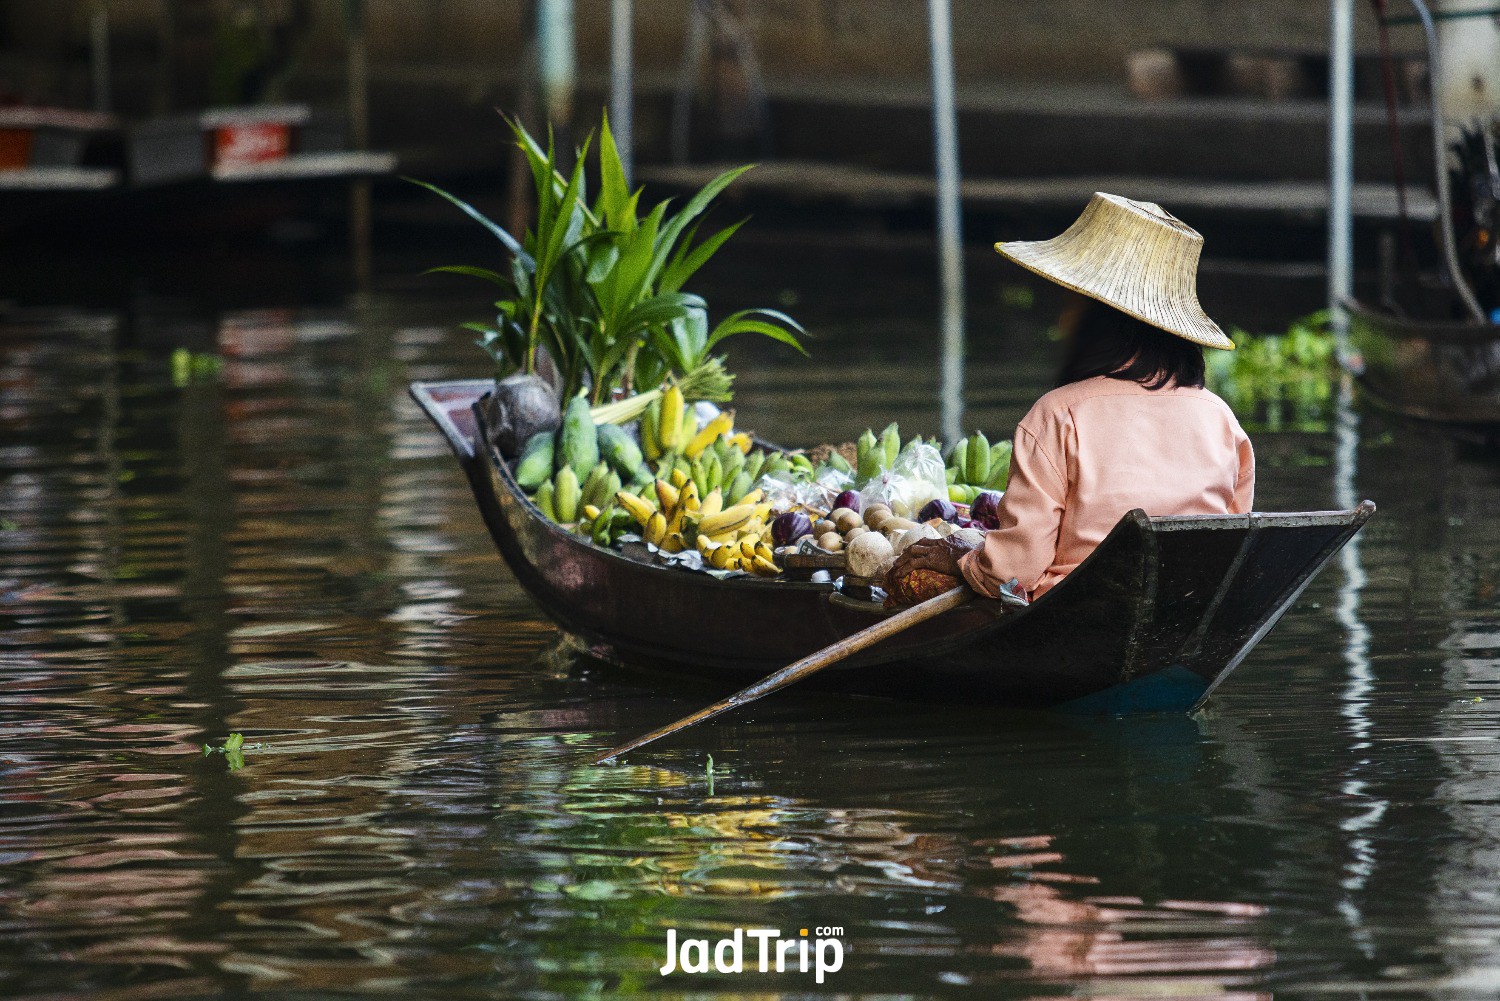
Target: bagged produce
914,478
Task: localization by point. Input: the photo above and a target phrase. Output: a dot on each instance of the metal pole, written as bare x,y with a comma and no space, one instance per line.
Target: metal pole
361,225
1340,166
556,59
99,58
622,83
950,235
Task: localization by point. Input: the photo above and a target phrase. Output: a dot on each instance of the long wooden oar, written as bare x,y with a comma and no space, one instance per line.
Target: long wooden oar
849,645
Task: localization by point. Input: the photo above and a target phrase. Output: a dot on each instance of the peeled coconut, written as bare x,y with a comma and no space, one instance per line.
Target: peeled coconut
972,536
520,406
915,535
870,554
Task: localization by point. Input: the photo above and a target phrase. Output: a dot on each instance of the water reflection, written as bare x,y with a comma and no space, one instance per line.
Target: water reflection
280,547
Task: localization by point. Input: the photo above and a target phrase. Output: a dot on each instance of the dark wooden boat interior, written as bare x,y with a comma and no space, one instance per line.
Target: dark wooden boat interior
1154,620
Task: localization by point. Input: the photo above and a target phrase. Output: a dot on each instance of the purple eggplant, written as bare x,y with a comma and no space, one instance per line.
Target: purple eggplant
985,511
848,499
789,526
937,508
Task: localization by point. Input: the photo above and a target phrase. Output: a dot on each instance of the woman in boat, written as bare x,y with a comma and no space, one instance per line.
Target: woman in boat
1130,424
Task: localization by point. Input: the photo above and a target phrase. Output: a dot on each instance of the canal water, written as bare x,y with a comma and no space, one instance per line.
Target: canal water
217,520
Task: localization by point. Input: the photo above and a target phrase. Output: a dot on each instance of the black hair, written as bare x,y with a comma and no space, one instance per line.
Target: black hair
1108,342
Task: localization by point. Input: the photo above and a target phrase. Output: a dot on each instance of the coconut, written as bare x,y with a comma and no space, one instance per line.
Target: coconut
915,535
972,536
520,406
870,554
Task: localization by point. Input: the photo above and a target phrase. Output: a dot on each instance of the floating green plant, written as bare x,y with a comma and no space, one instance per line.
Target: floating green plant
233,749
1281,382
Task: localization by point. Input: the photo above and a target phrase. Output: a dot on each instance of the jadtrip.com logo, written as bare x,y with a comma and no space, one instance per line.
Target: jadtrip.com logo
818,951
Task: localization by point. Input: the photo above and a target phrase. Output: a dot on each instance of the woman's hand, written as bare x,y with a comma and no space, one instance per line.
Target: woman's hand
938,555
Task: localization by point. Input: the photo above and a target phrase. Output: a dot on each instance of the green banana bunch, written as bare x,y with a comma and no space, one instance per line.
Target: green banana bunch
890,445
867,457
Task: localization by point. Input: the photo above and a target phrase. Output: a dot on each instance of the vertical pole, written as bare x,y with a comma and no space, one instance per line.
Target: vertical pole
950,235
1340,165
622,83
556,59
360,221
166,56
99,58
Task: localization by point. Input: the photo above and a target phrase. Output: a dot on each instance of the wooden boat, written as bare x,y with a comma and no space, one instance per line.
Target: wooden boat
1154,620
1432,370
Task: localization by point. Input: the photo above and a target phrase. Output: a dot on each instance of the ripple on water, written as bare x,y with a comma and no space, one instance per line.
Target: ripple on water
284,550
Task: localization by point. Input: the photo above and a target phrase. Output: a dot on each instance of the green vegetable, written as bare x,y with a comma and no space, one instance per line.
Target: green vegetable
593,487
740,487
617,449
543,501
578,441
867,461
999,476
535,465
958,460
754,462
890,445
979,459
566,494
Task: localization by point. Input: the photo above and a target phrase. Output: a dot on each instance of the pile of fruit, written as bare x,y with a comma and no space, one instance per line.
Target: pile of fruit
683,488
686,489
974,466
871,537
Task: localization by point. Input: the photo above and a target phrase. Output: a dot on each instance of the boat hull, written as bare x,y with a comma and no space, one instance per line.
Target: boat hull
1445,371
1157,616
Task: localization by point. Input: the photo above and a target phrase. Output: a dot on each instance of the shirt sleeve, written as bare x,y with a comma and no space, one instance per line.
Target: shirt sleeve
1244,485
1025,545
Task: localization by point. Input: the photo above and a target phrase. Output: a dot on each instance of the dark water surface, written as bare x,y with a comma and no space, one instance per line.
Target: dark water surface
282,548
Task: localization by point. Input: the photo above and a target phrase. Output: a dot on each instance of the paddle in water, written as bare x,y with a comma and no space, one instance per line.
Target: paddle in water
807,666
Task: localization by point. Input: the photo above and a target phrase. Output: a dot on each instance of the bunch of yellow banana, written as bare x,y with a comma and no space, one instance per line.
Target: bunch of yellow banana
676,518
669,428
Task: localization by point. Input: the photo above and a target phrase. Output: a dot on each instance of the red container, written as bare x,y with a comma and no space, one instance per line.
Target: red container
15,148
250,143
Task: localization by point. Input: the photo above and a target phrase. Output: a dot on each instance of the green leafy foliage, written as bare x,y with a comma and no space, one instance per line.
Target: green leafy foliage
599,286
1282,382
233,749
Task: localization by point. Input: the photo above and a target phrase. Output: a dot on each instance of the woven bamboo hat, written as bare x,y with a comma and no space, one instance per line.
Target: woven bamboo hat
1134,256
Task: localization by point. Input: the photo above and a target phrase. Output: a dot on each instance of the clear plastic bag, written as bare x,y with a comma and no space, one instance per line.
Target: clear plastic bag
916,477
786,494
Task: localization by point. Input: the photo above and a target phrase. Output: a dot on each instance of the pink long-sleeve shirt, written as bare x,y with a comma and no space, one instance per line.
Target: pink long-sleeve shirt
1089,452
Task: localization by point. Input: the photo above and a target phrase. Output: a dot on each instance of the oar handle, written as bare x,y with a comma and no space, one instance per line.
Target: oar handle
811,664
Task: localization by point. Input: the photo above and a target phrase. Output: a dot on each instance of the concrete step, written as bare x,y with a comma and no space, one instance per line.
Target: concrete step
1305,201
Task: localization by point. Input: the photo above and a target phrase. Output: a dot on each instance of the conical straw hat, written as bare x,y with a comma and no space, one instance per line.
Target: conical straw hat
1135,256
